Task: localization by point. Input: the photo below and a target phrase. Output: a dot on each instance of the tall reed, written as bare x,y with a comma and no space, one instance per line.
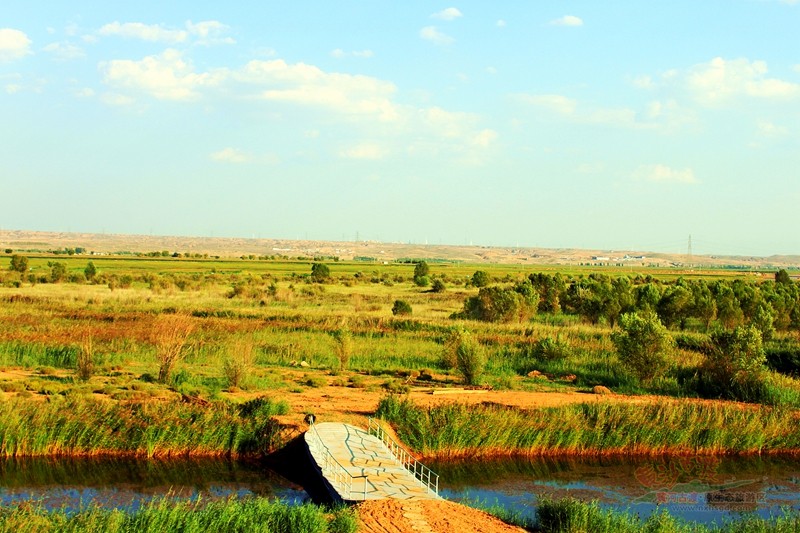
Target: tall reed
668,427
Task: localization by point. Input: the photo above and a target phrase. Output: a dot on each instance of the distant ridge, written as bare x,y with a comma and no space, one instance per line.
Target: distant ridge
32,241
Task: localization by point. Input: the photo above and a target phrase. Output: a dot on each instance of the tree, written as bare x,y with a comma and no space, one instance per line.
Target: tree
320,273
498,304
421,273
644,344
58,271
480,279
19,263
781,276
90,271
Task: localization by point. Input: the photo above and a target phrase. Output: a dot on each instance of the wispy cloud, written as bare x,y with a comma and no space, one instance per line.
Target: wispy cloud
338,53
144,32
229,155
365,151
14,44
65,51
430,33
567,20
451,13
664,174
206,32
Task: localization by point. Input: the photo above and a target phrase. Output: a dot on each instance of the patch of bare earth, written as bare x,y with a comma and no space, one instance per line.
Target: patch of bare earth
426,516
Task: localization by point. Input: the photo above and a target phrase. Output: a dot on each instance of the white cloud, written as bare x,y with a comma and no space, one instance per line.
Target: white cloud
229,155
721,81
366,151
484,138
145,32
65,51
664,174
85,92
13,88
567,20
430,33
14,44
451,13
165,77
500,23
309,85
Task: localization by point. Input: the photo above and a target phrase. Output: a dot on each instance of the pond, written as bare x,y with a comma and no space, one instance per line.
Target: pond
702,489
59,483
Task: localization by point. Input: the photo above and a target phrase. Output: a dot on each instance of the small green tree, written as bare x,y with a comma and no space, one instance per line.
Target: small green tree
58,271
19,263
480,279
782,277
764,320
320,273
90,271
644,345
401,307
421,274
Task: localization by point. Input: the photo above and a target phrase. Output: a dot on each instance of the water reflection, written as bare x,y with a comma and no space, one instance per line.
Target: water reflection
129,484
705,489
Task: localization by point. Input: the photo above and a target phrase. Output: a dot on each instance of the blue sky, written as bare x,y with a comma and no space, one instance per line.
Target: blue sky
604,125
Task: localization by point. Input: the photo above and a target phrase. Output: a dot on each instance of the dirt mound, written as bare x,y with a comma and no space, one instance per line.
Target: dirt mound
425,516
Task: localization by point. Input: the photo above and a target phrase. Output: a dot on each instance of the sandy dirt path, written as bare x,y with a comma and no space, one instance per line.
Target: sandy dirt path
427,516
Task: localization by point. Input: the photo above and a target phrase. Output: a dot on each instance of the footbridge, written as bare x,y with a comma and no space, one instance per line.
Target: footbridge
358,464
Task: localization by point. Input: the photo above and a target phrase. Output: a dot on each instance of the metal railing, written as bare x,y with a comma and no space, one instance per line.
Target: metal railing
427,477
333,471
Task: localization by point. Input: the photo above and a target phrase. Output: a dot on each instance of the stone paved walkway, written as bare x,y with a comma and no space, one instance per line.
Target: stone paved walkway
364,468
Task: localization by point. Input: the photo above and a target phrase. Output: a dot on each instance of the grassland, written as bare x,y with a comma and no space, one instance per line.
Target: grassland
81,370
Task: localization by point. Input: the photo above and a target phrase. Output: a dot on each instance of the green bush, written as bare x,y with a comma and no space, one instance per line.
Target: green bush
401,307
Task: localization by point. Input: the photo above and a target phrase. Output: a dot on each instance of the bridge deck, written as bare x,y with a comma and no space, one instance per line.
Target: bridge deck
359,466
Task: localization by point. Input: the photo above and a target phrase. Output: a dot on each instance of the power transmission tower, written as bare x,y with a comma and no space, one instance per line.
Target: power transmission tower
689,252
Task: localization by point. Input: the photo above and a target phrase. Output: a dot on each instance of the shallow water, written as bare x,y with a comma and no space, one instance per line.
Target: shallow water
129,484
704,489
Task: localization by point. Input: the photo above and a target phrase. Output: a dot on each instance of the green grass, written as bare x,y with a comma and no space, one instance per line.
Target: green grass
572,516
166,516
457,430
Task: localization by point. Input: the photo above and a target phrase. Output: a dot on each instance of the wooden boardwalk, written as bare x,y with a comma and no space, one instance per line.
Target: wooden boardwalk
359,466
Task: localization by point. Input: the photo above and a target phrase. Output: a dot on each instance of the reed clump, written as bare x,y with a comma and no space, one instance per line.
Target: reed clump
77,425
666,427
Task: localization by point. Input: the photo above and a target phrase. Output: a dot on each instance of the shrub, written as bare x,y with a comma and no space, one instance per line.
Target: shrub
644,344
463,353
438,286
735,369
550,349
238,364
84,360
401,307
343,347
169,335
498,304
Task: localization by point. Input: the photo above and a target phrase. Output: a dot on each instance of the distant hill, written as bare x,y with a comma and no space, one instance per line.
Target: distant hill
32,241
